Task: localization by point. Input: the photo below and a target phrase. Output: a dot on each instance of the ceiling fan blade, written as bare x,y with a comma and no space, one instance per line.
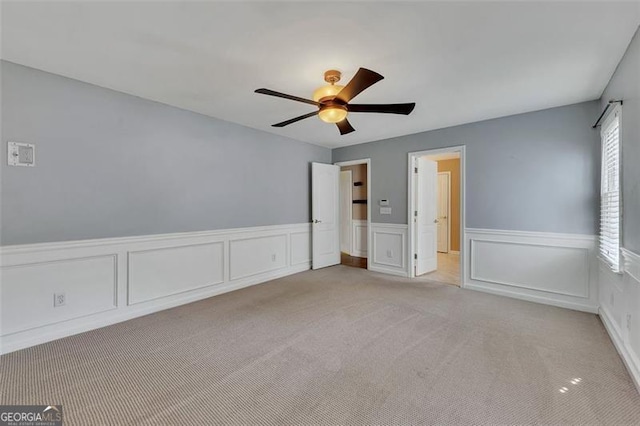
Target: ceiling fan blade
404,109
293,120
285,96
345,127
363,79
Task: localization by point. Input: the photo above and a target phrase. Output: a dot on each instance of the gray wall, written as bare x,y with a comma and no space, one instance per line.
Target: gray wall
111,165
531,172
625,84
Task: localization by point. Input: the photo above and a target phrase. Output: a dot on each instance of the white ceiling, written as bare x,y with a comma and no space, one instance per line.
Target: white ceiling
460,62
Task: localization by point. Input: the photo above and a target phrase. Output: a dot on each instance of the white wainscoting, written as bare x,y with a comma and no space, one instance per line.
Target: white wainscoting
359,238
106,281
22,284
620,310
266,253
556,269
161,272
389,249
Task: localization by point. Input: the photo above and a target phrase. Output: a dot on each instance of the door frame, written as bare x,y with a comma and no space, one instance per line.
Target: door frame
366,161
411,206
448,173
350,219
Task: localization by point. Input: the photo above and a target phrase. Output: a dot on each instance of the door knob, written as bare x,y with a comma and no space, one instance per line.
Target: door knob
435,220
317,221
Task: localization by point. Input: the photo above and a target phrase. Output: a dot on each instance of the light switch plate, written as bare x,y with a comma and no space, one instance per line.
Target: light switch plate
21,154
385,210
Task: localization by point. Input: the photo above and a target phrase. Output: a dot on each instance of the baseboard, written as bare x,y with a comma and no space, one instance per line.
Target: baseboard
390,271
533,298
628,358
113,280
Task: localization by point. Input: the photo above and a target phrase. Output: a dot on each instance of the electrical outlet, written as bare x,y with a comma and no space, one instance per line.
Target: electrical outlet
21,154
59,299
389,253
273,257
629,321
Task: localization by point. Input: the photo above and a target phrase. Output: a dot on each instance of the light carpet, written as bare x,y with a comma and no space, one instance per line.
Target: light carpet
335,346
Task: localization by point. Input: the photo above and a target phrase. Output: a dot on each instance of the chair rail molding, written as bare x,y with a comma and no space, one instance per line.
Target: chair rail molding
631,264
550,268
106,281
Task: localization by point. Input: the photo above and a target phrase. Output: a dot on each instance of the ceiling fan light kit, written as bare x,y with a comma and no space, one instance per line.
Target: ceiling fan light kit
332,100
332,113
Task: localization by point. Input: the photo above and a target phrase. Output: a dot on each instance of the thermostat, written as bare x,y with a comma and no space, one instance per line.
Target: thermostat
384,203
21,154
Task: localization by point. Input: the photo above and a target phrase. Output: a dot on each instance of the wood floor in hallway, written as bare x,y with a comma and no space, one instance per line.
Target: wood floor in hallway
356,262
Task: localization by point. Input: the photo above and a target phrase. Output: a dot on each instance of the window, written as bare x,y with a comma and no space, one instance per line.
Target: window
610,203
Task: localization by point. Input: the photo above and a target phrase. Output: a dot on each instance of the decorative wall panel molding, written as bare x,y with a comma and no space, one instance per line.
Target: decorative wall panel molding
257,254
161,272
389,249
559,270
359,238
620,310
300,248
111,280
28,291
556,269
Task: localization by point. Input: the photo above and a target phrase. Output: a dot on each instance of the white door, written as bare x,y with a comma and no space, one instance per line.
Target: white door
346,207
426,220
443,212
325,205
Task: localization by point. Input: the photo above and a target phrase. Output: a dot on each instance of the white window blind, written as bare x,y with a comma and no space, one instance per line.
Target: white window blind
610,203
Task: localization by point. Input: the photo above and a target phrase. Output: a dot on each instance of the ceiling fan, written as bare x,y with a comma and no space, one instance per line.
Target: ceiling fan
333,100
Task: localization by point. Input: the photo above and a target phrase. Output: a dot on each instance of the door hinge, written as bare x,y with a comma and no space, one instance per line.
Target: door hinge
415,213
415,256
415,170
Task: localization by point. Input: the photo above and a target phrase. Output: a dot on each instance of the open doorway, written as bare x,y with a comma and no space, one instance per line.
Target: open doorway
436,208
354,213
